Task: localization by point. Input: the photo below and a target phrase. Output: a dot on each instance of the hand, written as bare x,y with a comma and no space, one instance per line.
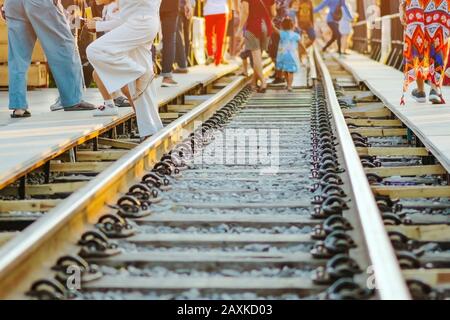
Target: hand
91,23
2,12
403,20
188,11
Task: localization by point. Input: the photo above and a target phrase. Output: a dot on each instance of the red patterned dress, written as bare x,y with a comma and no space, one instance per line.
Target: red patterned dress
426,41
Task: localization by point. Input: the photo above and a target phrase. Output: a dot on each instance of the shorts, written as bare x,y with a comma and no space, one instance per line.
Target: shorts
252,42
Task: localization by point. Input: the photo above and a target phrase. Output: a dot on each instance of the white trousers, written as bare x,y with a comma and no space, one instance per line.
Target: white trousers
123,55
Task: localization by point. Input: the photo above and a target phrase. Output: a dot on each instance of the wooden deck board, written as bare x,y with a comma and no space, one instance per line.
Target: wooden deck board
429,122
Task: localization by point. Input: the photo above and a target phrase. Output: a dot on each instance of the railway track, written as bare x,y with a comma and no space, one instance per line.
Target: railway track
266,198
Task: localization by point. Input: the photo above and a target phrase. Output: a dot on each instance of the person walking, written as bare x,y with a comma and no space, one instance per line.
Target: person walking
288,51
337,9
258,24
122,59
216,13
110,19
25,25
427,46
169,23
282,7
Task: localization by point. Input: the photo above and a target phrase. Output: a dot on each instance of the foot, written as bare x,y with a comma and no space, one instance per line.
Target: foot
278,82
209,60
57,105
419,96
103,111
20,113
290,89
434,97
168,82
181,70
82,106
122,102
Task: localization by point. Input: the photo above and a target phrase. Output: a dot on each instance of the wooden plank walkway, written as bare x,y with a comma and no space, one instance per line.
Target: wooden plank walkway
24,142
431,123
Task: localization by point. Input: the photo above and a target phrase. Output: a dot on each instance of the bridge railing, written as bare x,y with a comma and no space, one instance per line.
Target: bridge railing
381,38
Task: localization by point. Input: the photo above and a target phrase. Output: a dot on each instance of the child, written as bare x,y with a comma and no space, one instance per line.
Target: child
110,20
287,58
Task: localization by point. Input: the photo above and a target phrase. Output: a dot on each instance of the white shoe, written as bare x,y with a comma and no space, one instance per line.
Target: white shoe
57,105
104,111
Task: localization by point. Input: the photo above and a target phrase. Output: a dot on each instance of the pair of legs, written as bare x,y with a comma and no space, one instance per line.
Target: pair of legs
336,36
216,27
169,25
107,96
25,25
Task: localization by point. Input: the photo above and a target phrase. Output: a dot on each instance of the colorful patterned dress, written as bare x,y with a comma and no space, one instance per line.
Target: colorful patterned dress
426,41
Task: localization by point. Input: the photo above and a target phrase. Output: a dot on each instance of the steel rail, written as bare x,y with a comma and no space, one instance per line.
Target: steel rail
389,279
40,244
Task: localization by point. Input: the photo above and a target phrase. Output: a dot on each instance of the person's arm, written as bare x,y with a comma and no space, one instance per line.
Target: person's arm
2,12
237,6
347,11
243,16
321,6
402,12
105,26
273,10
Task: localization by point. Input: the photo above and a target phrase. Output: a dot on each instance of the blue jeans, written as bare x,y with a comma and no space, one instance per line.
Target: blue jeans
29,20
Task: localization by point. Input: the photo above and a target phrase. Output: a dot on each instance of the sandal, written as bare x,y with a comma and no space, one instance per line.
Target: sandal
26,114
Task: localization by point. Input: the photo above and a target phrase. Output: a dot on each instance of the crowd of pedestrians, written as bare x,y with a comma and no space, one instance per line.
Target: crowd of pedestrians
114,46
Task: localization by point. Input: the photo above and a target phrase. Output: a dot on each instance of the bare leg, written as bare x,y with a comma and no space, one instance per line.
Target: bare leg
101,87
290,79
344,42
126,91
258,68
421,85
